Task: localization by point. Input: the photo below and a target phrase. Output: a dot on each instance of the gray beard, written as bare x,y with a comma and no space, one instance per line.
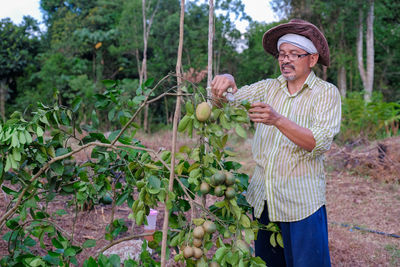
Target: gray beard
290,78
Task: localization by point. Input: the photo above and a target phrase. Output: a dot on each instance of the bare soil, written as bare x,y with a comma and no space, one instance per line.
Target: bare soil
363,203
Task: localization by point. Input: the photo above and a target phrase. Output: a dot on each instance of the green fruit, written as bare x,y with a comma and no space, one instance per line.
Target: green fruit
188,252
209,227
203,111
198,232
219,191
230,193
197,253
227,234
230,179
204,188
219,178
106,199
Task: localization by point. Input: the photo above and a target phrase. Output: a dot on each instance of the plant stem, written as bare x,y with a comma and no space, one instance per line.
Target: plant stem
174,135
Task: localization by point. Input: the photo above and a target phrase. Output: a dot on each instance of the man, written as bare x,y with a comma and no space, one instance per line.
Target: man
296,115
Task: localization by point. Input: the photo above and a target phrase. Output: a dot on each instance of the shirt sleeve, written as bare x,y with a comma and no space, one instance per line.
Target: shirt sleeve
255,92
326,119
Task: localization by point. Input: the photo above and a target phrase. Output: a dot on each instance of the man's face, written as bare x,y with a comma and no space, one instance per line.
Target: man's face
298,68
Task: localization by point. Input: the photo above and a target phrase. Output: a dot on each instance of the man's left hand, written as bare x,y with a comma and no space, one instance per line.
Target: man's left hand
264,113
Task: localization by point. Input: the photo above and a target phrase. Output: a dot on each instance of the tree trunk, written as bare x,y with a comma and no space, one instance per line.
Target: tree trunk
3,92
367,74
360,44
210,44
370,52
342,81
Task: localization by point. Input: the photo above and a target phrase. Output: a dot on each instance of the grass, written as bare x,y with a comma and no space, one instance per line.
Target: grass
394,252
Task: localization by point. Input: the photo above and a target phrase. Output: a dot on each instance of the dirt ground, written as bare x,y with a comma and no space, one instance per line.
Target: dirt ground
363,204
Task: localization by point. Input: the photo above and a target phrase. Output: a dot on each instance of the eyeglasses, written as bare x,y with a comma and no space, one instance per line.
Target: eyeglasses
291,57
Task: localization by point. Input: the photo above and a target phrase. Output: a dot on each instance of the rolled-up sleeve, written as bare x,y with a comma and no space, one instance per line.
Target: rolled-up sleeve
326,119
255,92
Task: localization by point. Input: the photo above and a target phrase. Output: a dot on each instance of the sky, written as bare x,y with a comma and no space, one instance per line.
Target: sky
259,10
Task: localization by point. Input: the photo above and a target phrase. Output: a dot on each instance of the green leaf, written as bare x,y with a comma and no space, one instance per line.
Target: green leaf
8,163
21,137
279,239
89,243
240,131
16,154
149,82
220,253
76,104
9,191
15,140
245,221
189,108
61,212
272,240
69,252
35,262
115,260
154,184
198,221
61,151
108,83
248,235
56,243
100,137
122,198
130,263
90,263
57,167
39,131
28,137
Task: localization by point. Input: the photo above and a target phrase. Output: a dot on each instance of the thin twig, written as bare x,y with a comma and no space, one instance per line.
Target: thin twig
120,241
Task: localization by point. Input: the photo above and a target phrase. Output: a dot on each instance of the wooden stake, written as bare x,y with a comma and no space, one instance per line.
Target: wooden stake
174,136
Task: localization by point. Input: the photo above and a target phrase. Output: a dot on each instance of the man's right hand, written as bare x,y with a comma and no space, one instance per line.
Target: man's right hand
221,83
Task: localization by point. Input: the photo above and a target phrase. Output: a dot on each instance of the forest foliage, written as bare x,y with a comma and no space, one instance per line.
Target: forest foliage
85,42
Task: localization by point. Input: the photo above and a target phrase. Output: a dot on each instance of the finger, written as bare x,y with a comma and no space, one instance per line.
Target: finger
257,116
259,104
258,110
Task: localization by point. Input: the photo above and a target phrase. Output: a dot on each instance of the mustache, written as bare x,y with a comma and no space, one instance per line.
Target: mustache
285,65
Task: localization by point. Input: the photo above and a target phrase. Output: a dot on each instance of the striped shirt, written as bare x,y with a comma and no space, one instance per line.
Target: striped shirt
289,178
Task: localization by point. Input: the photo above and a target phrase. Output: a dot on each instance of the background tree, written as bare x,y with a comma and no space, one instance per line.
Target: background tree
18,47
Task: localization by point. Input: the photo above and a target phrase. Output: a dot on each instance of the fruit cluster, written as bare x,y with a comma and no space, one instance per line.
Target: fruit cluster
198,233
223,183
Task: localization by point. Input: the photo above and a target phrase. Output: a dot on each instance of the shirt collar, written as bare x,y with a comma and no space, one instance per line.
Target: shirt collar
308,83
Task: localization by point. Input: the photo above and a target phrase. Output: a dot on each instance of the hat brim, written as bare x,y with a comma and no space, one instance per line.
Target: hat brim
300,27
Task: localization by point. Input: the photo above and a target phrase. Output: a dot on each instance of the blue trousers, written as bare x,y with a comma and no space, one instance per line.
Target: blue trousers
305,242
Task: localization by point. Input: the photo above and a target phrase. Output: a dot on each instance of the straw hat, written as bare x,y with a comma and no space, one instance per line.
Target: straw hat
301,27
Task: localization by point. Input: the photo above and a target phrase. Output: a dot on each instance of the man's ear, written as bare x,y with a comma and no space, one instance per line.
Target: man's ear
313,59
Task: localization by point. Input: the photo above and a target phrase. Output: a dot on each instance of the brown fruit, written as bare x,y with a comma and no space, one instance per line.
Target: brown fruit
204,188
230,193
209,227
198,232
197,253
197,242
188,252
230,179
219,191
203,111
214,264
